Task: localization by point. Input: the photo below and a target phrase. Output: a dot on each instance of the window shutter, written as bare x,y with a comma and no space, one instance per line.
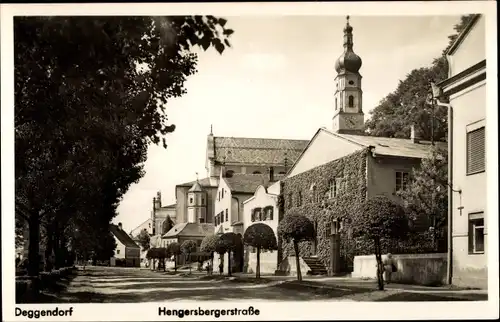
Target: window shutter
476,151
253,215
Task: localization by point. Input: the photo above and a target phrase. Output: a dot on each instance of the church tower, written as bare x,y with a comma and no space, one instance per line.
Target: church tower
197,204
348,113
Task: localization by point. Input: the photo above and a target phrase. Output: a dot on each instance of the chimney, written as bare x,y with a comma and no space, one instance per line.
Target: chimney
120,226
271,174
414,136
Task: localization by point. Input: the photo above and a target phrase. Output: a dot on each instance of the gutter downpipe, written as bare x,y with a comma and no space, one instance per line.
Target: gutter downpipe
449,270
449,257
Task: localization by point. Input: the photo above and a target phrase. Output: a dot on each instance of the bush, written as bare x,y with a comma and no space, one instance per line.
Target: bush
209,245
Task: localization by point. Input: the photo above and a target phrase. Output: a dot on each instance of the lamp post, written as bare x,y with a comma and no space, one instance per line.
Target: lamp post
333,229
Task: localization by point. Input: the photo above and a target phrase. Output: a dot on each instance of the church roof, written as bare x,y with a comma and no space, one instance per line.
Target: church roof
122,236
196,187
189,230
205,182
257,151
246,183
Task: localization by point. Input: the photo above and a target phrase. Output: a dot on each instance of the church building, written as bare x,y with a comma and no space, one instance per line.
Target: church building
341,167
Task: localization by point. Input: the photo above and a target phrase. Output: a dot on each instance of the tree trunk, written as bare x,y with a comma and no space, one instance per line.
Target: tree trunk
229,263
380,266
33,249
211,263
49,248
175,263
257,270
189,260
297,260
164,263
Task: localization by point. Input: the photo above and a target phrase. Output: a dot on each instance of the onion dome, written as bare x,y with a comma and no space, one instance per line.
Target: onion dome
348,61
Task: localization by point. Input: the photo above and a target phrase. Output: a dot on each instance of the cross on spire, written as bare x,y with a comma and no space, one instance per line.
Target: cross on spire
347,19
196,176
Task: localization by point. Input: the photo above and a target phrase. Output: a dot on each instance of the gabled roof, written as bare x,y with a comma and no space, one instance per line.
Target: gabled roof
381,146
122,236
189,230
196,187
169,206
257,151
474,19
246,183
205,182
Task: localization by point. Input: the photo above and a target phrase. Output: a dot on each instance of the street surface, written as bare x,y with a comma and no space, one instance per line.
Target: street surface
132,285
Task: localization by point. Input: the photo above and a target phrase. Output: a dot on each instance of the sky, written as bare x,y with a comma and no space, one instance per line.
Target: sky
277,81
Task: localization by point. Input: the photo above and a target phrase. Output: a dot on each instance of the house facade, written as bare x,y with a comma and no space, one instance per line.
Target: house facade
262,207
127,252
466,89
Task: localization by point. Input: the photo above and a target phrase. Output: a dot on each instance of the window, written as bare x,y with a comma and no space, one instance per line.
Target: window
256,172
351,101
117,251
190,200
221,216
282,172
202,201
227,215
257,213
289,200
299,199
222,196
476,151
149,225
402,180
218,196
268,213
351,82
202,220
229,173
336,103
332,188
476,233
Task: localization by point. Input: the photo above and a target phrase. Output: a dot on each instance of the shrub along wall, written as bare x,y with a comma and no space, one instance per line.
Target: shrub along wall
334,190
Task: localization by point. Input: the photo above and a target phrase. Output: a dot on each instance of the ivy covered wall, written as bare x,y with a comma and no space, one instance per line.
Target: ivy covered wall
333,190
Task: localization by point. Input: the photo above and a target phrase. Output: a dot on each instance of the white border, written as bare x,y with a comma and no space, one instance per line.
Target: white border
278,310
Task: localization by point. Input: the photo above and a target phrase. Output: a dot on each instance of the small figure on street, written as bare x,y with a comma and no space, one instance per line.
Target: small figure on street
221,268
389,268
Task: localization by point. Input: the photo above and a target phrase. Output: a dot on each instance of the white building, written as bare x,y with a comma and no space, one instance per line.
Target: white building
466,88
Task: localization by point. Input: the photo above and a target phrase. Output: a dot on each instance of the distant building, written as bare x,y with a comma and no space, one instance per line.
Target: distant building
466,88
237,156
127,252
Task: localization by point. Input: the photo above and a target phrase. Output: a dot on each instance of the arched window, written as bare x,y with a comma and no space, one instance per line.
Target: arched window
351,101
335,103
256,172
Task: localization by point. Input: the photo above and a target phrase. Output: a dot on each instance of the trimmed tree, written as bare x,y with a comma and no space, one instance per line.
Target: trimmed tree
188,247
209,245
230,241
380,218
144,239
174,249
296,228
260,236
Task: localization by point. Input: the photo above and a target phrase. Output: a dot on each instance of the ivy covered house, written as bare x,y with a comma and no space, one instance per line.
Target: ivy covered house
342,167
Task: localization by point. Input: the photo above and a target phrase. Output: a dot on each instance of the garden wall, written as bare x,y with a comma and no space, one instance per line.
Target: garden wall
268,262
420,269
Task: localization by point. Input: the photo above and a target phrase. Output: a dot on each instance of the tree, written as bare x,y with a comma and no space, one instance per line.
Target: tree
209,245
296,228
84,118
175,250
188,247
380,218
260,236
426,198
230,241
167,225
144,239
408,104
